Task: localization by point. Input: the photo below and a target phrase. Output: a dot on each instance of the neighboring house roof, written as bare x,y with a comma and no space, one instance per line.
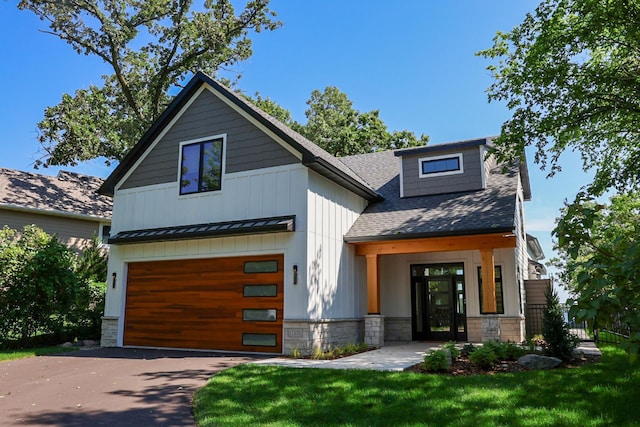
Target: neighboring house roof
313,156
534,248
491,210
67,194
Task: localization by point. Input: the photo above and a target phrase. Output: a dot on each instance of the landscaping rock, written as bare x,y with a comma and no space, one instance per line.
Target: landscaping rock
67,344
534,361
89,343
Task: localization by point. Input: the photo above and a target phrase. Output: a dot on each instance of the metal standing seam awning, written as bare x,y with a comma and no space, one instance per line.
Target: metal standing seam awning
201,231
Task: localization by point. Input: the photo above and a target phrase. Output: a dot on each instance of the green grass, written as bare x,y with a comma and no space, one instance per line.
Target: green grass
605,393
32,352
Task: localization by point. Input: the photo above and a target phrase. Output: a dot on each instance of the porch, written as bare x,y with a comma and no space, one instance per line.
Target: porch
430,303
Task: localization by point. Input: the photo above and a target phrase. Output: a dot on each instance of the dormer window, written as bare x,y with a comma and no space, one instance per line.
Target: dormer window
449,164
201,166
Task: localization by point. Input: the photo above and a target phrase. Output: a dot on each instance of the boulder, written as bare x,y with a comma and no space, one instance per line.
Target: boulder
534,361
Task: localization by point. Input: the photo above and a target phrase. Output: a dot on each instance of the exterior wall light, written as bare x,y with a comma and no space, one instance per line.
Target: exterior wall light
295,274
113,280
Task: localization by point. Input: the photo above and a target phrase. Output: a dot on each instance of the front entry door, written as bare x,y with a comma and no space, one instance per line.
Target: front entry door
438,302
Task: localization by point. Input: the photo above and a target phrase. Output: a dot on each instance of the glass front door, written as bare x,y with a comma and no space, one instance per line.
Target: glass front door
438,302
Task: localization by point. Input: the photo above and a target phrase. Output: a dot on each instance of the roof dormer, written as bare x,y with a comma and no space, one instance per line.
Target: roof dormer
443,168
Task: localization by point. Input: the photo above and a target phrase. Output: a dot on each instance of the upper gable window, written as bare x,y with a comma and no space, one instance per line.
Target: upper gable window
440,165
201,166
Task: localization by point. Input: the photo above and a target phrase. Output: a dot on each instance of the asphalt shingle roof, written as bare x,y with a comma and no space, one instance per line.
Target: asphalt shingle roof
483,211
67,193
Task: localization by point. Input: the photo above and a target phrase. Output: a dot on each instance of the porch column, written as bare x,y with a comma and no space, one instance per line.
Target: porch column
373,287
373,322
488,281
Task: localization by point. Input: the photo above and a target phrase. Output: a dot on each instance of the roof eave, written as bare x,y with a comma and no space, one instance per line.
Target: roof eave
409,236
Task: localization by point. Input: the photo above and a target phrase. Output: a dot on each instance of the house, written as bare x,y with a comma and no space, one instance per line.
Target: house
233,232
67,205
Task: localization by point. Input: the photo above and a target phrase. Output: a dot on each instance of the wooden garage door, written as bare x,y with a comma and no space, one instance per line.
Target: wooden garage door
215,304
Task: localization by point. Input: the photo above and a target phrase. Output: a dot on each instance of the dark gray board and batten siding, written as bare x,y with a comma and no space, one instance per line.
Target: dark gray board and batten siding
470,180
248,148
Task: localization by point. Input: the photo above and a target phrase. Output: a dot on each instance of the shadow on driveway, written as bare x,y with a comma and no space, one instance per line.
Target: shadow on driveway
108,386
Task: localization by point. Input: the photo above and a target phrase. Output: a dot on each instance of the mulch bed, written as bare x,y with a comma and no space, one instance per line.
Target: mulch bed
463,366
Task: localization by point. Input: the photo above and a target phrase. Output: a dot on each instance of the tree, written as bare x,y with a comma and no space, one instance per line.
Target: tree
151,46
558,340
336,126
600,255
570,72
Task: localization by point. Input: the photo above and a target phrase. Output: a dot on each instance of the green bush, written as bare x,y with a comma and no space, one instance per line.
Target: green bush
512,351
451,346
38,283
48,293
467,349
558,341
484,357
436,360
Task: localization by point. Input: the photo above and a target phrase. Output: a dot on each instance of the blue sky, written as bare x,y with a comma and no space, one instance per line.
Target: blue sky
413,60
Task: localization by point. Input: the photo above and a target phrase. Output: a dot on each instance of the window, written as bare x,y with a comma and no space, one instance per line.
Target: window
259,315
499,299
440,165
260,267
105,233
260,290
201,167
261,340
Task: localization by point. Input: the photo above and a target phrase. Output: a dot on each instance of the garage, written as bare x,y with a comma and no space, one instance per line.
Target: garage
230,304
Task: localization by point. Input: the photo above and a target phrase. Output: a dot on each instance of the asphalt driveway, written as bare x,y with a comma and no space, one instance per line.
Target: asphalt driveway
107,386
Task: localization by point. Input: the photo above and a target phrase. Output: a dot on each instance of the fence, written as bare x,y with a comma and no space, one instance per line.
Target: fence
533,323
615,333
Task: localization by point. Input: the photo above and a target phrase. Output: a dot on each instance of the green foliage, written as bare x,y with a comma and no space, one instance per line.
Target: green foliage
92,263
512,351
48,290
337,127
558,340
600,259
484,357
569,73
151,46
467,349
435,361
453,349
38,283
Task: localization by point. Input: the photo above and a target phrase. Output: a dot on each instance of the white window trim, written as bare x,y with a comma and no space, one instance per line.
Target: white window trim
101,235
444,156
223,167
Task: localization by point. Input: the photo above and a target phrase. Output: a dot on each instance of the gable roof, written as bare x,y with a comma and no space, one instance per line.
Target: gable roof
491,210
67,194
313,156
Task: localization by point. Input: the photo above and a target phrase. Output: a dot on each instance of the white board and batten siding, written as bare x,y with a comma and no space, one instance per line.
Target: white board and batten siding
332,267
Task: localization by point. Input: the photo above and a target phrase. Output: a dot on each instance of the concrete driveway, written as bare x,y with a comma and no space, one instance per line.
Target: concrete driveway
107,386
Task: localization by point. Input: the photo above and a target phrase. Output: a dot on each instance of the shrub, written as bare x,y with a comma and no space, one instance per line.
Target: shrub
512,351
436,360
558,341
467,349
484,357
38,283
451,346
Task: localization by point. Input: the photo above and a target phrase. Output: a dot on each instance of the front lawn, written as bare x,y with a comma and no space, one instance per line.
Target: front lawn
42,351
604,393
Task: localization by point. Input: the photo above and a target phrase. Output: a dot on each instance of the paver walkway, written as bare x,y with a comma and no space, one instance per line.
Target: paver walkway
107,387
394,356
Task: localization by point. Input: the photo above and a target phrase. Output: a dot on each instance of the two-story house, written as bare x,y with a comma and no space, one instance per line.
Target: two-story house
232,232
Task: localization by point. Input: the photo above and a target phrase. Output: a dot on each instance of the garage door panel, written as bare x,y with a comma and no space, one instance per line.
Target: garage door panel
199,304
